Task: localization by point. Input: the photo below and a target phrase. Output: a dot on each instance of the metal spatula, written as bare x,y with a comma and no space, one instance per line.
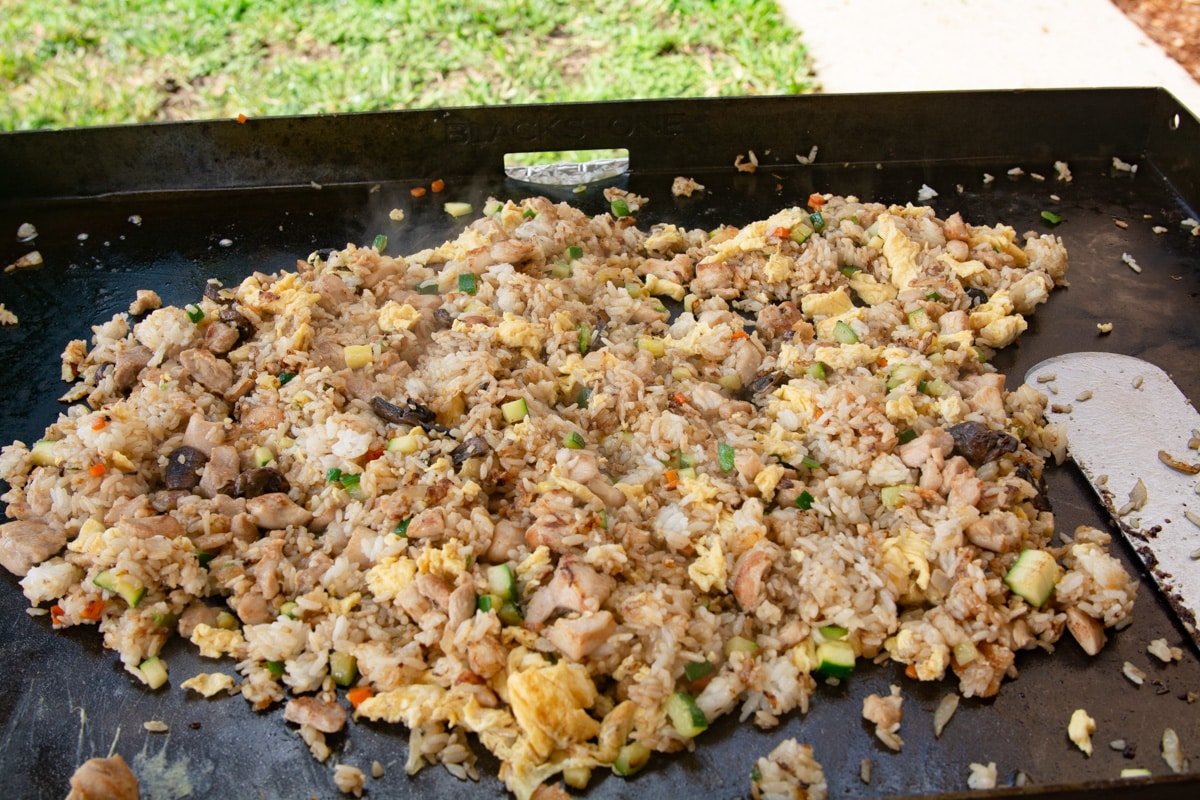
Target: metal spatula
1125,421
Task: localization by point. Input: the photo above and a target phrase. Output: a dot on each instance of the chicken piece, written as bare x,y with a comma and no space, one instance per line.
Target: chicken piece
104,779
129,365
261,417
220,338
144,527
327,716
577,638
333,291
27,543
748,576
575,587
486,656
886,713
460,606
428,524
243,528
921,449
959,483
211,372
196,614
998,531
555,518
1086,630
789,772
578,465
714,278
253,609
241,387
434,588
203,435
221,472
506,537
773,320
985,394
276,511
955,229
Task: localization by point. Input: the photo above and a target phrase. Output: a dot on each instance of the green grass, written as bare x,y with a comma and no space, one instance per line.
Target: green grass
77,62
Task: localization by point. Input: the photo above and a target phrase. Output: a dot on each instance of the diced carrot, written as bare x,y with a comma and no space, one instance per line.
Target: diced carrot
359,694
679,398
671,478
437,185
911,671
97,470
816,200
698,685
99,424
93,610
374,454
56,614
241,118
417,191
739,335
881,362
782,232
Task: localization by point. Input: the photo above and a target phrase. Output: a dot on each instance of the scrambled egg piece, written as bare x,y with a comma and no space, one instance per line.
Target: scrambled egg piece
550,704
767,479
1080,730
905,553
900,251
699,489
286,296
847,356
961,269
667,239
536,560
395,317
88,540
778,268
899,409
390,577
217,642
209,683
708,569
449,560
754,236
870,290
1001,239
996,328
826,304
517,332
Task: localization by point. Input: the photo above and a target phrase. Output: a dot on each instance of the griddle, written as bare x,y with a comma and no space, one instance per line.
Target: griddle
277,189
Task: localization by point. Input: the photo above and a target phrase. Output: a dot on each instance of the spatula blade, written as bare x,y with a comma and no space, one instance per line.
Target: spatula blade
1120,412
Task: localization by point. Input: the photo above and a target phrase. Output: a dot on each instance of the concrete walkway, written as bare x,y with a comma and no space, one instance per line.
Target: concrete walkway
919,45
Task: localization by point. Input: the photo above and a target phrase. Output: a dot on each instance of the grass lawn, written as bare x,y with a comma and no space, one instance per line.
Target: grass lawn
90,62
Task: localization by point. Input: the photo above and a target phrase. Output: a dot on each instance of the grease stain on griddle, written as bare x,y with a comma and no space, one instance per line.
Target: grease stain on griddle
163,779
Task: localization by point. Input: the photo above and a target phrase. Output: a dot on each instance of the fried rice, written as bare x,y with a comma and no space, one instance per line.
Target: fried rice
701,455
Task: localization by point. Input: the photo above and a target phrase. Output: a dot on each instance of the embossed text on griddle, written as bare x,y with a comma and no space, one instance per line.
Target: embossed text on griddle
564,129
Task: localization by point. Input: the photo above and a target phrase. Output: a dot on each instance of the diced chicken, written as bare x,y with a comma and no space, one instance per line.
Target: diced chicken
333,291
253,609
577,638
243,527
196,614
575,587
212,373
714,278
129,365
27,543
146,300
220,338
240,389
203,435
773,320
221,471
555,518
886,713
748,576
104,779
434,588
144,527
578,465
486,656
506,536
460,606
327,716
985,394
428,524
998,531
261,417
1086,630
920,449
959,483
955,229
276,511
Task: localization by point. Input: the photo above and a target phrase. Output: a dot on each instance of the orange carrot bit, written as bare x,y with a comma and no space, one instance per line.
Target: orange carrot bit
881,362
359,694
241,118
437,185
816,200
739,335
911,671
782,232
671,478
99,424
417,191
93,610
374,454
56,614
97,470
679,398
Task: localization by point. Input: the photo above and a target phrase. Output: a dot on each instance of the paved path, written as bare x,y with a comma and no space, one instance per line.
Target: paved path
915,45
